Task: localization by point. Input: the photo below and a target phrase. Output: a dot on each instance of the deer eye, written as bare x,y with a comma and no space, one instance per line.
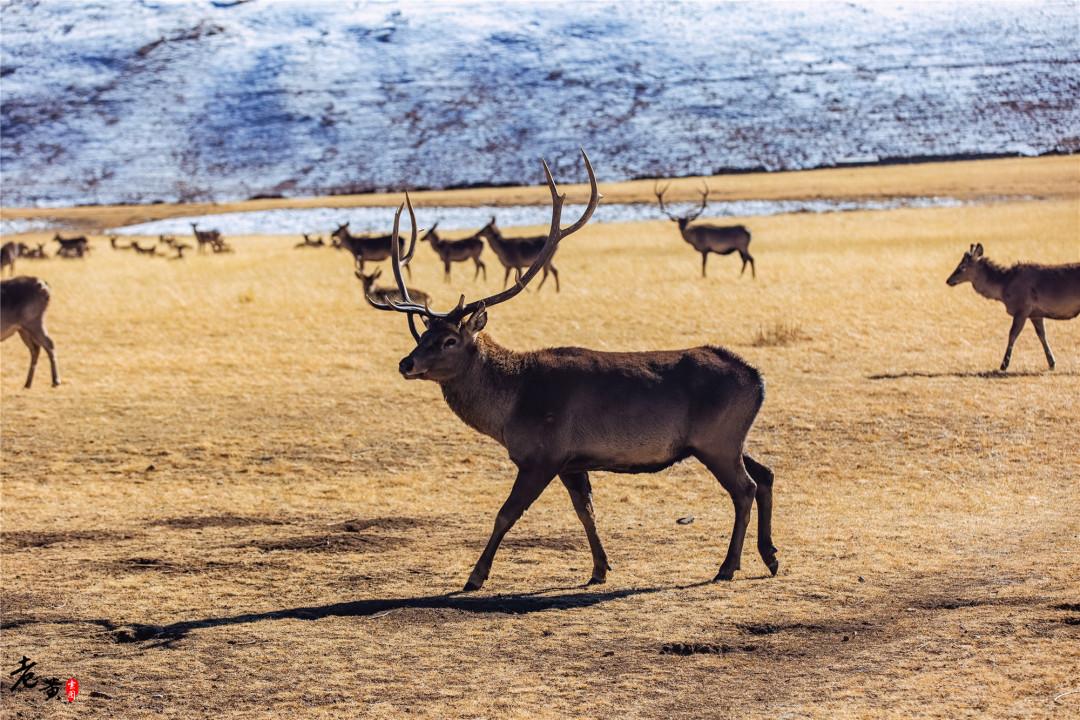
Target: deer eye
449,342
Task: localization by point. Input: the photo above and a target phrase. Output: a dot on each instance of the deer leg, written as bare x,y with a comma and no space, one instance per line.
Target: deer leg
1040,330
753,269
506,277
408,272
35,349
742,488
1014,331
763,477
446,271
42,339
479,266
577,484
527,487
704,260
555,272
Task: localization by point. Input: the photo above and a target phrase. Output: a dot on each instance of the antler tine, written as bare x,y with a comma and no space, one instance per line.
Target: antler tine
704,202
412,239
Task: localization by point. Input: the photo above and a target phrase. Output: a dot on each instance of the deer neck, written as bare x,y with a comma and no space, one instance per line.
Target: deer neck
990,280
484,395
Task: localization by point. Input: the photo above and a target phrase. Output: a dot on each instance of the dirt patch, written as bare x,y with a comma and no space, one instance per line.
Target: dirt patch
960,603
383,523
341,543
1072,607
562,543
198,522
30,538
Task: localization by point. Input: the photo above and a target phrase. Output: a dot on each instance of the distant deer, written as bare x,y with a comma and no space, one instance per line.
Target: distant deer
23,301
719,239
452,251
206,237
152,250
37,253
383,294
167,241
1029,291
568,411
116,245
180,248
365,249
72,247
309,243
517,253
9,251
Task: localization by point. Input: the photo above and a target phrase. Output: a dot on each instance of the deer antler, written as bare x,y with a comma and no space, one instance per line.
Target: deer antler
659,193
704,202
555,234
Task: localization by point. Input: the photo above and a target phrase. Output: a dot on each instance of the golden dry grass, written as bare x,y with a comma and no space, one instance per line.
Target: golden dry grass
234,459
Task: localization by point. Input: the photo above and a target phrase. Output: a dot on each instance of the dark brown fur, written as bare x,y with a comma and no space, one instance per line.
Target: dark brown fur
452,251
708,238
364,249
517,253
23,302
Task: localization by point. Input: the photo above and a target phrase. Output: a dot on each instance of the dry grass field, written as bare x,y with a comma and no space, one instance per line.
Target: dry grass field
235,507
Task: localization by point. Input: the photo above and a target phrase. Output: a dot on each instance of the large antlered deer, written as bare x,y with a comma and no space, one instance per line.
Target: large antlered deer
705,238
23,301
1028,291
452,251
568,411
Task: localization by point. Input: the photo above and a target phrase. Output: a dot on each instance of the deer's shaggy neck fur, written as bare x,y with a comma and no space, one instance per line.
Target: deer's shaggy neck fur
990,279
483,396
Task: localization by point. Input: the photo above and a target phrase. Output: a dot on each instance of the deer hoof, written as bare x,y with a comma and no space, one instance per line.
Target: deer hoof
473,585
724,575
773,566
596,581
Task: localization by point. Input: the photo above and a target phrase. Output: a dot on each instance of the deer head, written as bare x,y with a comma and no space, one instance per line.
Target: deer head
368,280
447,344
965,271
685,219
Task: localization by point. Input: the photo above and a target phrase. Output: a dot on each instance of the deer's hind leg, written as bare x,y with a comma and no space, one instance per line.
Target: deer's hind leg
577,484
1040,330
1014,332
763,477
479,266
42,340
527,487
35,350
732,475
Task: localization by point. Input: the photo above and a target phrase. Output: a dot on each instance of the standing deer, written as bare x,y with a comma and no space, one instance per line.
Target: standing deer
72,247
1028,291
452,251
23,301
365,249
9,251
568,411
719,239
206,237
517,253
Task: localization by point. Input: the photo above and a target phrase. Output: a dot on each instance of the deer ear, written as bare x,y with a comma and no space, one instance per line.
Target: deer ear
978,250
476,321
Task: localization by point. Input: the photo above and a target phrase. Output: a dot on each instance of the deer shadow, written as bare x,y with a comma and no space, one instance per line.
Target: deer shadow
507,604
984,375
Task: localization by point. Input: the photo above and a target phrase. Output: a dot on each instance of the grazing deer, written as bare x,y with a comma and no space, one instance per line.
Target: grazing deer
365,249
180,248
719,239
23,301
72,247
152,250
167,240
568,411
517,253
383,294
1029,291
116,245
452,251
206,237
37,253
309,243
9,251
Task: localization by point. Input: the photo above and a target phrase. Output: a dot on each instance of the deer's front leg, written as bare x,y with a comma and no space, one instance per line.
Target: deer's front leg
529,484
577,484
1014,331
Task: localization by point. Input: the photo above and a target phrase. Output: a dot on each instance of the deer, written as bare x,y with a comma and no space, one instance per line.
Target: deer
116,245
206,237
364,249
179,248
139,249
1029,292
705,238
452,251
309,243
37,253
517,253
9,251
383,294
569,411
72,247
23,301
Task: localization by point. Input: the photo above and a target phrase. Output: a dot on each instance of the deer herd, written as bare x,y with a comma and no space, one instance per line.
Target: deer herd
566,411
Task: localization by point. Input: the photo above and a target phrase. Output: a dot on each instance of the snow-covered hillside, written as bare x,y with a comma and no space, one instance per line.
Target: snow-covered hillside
138,101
